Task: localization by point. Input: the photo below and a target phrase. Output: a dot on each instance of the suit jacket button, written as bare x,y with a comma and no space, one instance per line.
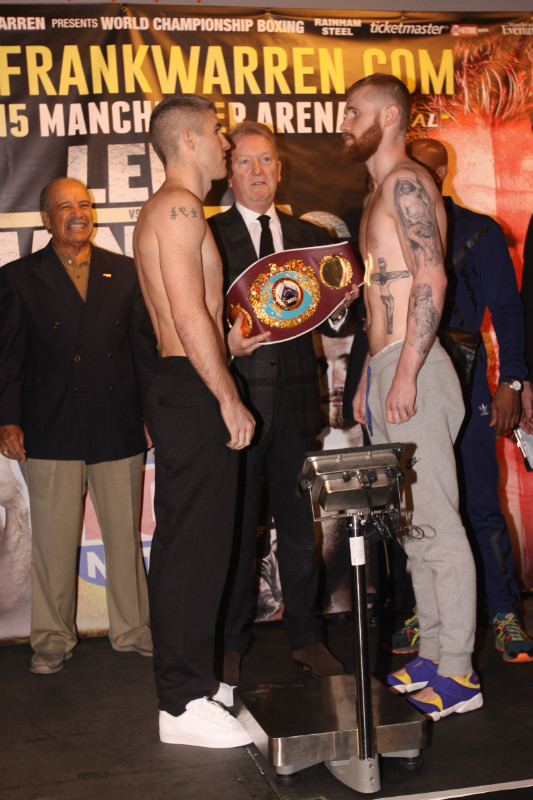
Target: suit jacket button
77,358
111,388
56,325
273,363
110,355
75,389
117,324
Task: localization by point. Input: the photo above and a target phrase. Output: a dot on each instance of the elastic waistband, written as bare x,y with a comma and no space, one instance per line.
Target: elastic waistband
392,351
175,365
390,348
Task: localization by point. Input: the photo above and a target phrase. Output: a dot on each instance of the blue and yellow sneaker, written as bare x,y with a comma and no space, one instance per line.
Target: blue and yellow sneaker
457,695
511,640
406,638
415,675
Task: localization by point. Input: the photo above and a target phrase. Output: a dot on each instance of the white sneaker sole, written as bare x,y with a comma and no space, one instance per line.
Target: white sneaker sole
217,744
459,708
409,687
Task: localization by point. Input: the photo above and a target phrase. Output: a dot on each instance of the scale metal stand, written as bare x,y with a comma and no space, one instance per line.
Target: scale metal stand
343,721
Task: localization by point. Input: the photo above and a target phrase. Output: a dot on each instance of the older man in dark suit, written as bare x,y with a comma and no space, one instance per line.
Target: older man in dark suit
280,384
77,351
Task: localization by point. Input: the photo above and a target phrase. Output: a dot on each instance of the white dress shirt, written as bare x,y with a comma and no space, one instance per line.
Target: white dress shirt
254,226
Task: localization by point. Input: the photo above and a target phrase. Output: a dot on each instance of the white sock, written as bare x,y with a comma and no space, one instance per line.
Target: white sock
193,703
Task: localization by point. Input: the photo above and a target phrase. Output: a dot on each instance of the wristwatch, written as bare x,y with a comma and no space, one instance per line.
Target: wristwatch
515,385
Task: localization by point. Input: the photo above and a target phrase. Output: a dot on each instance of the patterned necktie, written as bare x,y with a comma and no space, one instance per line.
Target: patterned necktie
266,245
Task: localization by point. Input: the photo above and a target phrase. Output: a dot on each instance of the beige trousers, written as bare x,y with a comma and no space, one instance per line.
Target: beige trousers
56,490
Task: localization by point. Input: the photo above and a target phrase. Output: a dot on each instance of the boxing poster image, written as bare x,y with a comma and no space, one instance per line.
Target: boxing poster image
76,93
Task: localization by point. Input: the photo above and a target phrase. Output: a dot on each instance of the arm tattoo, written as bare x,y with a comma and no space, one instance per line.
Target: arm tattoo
384,278
424,316
185,212
415,208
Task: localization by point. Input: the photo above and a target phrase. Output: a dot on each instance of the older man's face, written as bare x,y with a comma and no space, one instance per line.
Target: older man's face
69,217
255,172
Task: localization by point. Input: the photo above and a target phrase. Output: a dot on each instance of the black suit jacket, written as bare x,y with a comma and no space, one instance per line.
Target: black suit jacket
293,361
72,372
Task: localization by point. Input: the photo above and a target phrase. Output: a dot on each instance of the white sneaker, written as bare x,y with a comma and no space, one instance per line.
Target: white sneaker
205,724
223,695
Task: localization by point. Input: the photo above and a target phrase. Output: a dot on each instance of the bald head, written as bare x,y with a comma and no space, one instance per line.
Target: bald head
432,155
46,191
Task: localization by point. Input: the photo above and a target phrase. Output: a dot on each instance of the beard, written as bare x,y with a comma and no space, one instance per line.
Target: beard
362,149
336,418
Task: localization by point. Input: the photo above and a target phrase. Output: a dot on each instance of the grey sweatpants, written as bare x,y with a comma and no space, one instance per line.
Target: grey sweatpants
440,559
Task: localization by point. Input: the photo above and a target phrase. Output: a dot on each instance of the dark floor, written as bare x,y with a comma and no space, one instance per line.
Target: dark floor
90,731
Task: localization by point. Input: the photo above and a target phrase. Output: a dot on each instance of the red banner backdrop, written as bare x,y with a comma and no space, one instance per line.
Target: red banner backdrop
78,83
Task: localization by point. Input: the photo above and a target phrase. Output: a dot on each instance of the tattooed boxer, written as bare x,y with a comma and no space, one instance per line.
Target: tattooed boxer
196,420
410,392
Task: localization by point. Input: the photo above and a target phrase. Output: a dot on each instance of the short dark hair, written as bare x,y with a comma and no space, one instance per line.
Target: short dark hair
390,88
44,197
164,132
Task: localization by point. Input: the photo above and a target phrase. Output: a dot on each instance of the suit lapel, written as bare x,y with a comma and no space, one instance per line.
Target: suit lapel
240,243
102,277
52,273
102,280
292,236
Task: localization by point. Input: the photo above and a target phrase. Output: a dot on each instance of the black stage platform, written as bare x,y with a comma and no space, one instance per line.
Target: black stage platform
90,731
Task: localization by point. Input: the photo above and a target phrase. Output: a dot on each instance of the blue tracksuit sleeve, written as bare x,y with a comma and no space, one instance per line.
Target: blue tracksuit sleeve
484,277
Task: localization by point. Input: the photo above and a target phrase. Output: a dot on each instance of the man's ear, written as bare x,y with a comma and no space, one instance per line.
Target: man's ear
391,115
187,137
46,219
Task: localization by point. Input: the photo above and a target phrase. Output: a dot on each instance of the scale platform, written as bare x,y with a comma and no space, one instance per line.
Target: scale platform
345,721
300,724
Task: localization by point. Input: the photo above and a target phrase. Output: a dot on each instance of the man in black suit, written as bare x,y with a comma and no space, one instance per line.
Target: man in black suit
280,385
77,351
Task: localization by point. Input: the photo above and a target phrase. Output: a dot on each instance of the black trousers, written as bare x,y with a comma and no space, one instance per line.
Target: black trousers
278,457
195,491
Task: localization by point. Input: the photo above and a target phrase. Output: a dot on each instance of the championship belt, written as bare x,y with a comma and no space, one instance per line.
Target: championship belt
291,292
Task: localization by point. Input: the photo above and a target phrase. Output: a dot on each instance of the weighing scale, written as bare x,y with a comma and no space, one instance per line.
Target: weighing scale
345,721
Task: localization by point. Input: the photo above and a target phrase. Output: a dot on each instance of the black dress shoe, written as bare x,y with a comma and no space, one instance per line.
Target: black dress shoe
319,660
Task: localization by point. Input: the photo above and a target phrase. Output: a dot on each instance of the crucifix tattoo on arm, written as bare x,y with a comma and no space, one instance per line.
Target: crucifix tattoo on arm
384,279
415,209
